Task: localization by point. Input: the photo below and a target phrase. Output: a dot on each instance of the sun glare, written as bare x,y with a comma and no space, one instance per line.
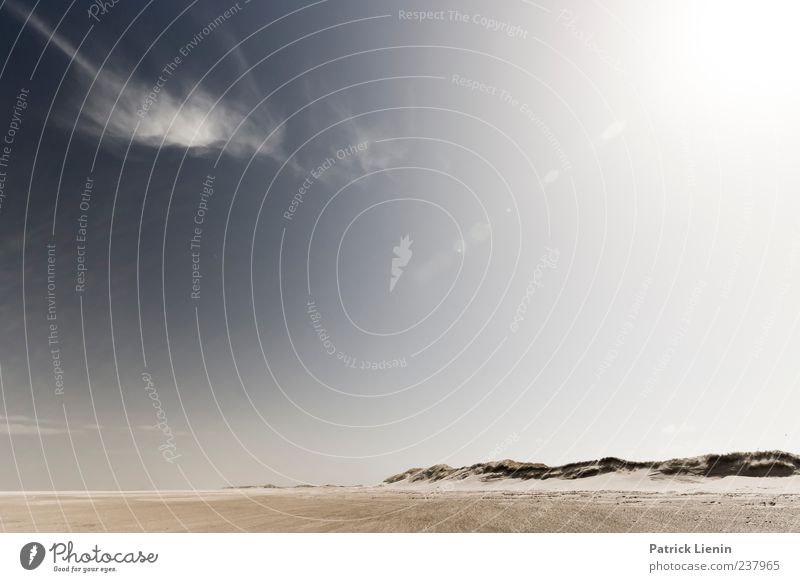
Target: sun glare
741,49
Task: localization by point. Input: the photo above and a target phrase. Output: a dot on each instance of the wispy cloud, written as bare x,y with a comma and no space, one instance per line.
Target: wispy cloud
373,156
174,118
16,418
26,426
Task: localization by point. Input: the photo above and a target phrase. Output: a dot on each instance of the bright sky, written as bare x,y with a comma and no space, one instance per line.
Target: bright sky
326,243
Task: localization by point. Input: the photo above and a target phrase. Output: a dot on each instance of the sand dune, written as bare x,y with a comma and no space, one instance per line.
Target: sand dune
773,470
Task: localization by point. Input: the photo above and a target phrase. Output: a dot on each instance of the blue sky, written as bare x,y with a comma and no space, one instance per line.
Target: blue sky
326,242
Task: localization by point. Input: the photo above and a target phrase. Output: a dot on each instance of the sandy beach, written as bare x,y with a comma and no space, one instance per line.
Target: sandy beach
601,504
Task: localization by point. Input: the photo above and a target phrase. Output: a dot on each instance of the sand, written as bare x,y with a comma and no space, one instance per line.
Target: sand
612,503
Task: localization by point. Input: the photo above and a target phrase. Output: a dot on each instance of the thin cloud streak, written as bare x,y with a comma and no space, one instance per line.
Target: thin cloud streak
20,429
191,122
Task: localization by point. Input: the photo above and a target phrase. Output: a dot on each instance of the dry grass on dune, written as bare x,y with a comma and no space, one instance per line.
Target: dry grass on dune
751,464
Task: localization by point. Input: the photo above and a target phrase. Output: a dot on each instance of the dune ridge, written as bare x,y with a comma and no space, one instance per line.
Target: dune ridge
739,464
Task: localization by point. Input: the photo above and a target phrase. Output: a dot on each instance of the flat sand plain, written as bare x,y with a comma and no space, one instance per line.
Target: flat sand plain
382,509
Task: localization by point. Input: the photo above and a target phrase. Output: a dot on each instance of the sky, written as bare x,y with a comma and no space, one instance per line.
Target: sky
311,243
